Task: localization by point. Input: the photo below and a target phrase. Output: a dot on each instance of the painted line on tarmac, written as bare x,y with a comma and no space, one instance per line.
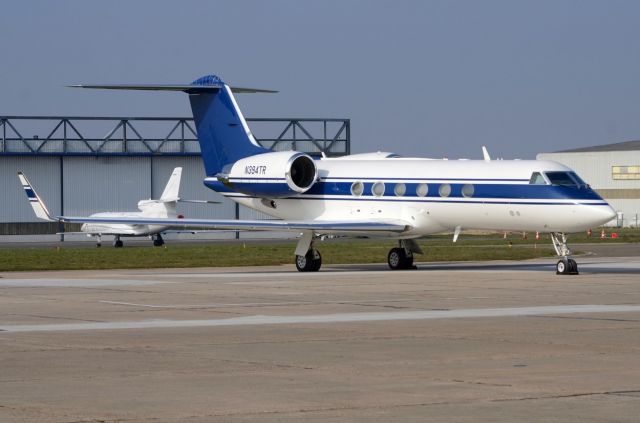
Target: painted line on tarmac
262,304
327,318
75,283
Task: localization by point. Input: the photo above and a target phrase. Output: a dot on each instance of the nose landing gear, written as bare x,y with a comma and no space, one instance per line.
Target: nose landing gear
566,265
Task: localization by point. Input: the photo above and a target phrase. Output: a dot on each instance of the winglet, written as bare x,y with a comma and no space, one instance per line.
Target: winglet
36,203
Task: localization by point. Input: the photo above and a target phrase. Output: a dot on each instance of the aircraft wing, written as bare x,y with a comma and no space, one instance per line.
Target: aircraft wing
253,225
319,226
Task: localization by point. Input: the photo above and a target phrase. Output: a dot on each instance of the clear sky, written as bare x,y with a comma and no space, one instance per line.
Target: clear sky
425,78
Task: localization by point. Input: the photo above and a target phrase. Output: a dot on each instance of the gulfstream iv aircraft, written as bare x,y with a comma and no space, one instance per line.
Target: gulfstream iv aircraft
374,195
163,208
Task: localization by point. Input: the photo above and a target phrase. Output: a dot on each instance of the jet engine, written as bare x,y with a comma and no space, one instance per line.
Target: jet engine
272,175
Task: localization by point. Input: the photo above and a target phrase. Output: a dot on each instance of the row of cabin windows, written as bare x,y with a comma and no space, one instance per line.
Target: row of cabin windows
400,189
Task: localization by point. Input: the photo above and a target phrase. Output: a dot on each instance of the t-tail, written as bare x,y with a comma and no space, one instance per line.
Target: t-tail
223,132
34,199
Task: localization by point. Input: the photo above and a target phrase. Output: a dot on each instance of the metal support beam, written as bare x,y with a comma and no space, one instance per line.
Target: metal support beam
148,136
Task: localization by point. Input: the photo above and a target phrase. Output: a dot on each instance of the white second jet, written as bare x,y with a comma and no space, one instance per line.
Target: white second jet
163,208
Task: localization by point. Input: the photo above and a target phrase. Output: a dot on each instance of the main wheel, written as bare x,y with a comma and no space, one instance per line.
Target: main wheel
573,267
118,243
562,267
317,261
310,262
397,259
158,242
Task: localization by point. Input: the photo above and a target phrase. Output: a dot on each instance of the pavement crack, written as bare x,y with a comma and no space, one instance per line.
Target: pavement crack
475,382
574,395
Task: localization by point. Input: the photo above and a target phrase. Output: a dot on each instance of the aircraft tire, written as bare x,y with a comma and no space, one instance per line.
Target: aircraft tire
310,262
568,267
158,242
317,261
118,244
397,259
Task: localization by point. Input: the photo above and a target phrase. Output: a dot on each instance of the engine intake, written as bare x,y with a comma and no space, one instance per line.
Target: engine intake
273,175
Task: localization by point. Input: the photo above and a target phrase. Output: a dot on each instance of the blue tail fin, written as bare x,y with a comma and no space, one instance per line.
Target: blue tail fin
222,130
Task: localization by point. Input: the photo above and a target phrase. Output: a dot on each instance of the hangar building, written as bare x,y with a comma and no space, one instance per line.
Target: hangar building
85,165
613,170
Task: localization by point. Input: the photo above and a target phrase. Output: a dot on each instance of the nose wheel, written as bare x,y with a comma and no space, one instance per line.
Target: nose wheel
310,262
566,265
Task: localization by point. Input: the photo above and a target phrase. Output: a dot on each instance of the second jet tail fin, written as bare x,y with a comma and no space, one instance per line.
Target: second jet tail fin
171,192
34,199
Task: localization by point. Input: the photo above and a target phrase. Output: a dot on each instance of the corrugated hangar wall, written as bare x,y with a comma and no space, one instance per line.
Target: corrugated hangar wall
82,185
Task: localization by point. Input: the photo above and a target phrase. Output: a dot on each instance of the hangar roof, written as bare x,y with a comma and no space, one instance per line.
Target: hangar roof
619,146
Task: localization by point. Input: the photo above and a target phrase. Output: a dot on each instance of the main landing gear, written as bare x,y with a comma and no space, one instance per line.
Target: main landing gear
117,242
308,259
566,265
310,262
402,257
157,240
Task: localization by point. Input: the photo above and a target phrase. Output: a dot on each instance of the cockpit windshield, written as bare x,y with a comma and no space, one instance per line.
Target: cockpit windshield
578,179
537,179
563,179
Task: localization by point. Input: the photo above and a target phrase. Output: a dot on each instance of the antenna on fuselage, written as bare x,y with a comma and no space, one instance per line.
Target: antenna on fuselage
485,154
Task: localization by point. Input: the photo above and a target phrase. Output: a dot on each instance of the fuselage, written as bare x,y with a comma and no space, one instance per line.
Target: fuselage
433,196
123,229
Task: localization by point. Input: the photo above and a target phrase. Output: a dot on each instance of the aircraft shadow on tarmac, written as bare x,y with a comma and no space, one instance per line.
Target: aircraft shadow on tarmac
592,267
584,268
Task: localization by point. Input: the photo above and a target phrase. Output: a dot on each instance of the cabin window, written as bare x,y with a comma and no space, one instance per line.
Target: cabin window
357,188
400,189
422,190
561,178
537,179
377,189
444,190
468,190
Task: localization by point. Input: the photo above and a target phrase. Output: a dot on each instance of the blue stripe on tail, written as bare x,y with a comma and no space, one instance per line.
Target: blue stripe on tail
222,136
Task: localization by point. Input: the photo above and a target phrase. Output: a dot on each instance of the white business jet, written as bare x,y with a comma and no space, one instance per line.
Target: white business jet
165,207
374,195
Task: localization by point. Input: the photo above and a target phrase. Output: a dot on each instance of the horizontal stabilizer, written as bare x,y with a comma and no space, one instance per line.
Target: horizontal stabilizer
188,88
199,201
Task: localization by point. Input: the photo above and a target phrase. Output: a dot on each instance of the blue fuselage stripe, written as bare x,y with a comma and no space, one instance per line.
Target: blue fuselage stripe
495,192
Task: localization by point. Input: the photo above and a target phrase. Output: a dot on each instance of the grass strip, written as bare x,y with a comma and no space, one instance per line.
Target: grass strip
247,254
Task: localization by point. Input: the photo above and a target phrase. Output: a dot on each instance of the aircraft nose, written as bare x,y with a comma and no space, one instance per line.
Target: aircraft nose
603,214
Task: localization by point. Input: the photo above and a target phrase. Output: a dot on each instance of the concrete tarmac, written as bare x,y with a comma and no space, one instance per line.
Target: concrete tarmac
449,342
